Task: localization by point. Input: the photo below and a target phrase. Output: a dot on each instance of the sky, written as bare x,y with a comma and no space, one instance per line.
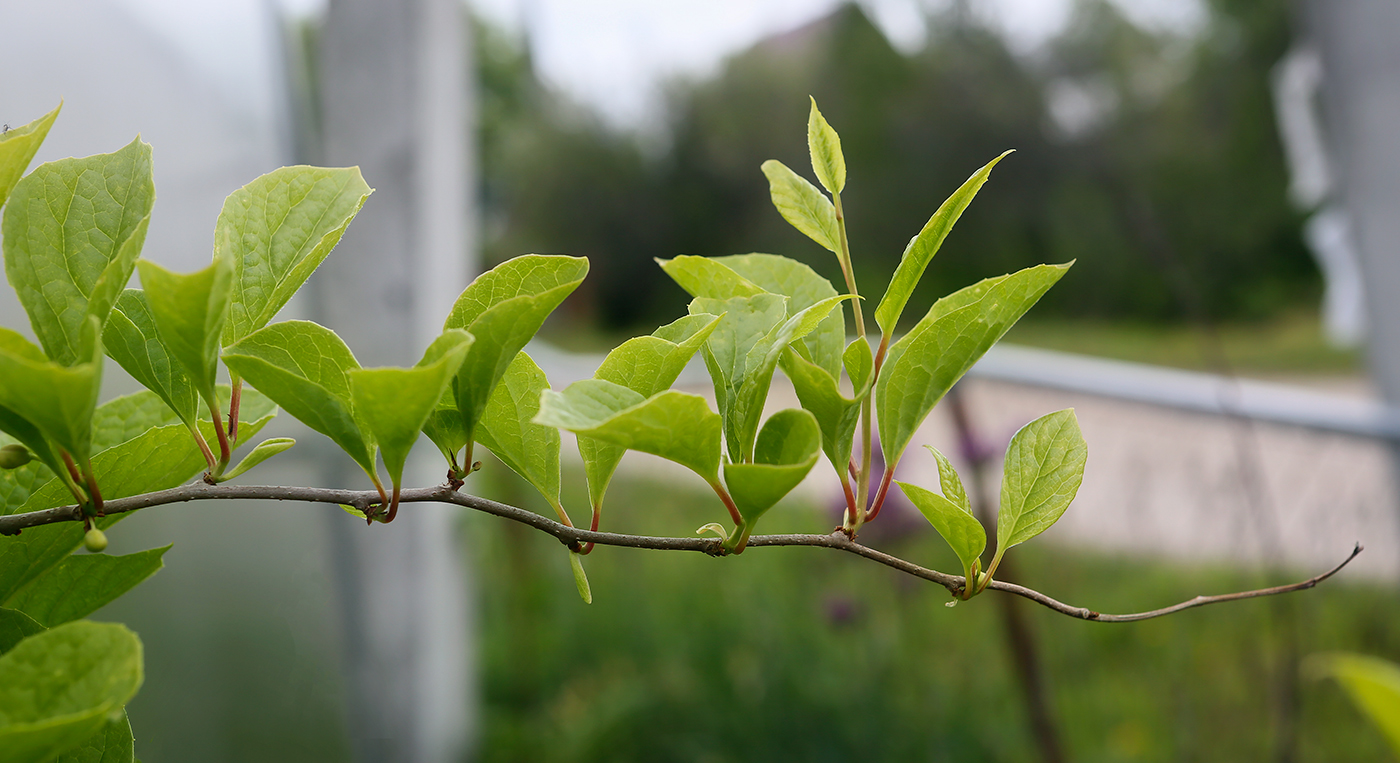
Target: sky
613,55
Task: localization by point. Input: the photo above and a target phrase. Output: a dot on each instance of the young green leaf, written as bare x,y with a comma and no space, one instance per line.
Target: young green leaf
72,232
260,453
1044,466
17,149
673,425
58,687
580,579
57,399
508,429
305,368
836,414
276,231
949,482
924,364
83,583
394,403
1372,683
112,743
786,449
131,339
190,312
15,626
747,322
958,527
803,288
708,277
503,308
646,365
802,205
922,247
825,147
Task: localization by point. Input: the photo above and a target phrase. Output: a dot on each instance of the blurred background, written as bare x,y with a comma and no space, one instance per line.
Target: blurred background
1225,174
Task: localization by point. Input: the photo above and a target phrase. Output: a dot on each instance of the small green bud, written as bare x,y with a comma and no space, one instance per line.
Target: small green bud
14,456
95,541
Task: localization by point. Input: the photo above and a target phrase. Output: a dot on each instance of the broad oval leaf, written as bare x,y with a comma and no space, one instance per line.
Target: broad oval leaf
803,287
922,247
708,277
503,308
673,425
17,149
190,312
276,231
58,687
83,583
72,232
394,403
958,527
802,205
57,399
113,743
1372,683
1044,466
15,626
508,429
786,449
825,146
746,323
305,368
924,364
131,339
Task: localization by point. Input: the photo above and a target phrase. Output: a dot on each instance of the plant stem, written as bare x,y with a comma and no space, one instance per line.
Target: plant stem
93,492
588,547
393,505
204,447
863,480
884,489
225,452
728,503
235,397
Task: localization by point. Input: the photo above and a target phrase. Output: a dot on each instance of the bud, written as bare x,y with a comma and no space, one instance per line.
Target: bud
14,456
95,541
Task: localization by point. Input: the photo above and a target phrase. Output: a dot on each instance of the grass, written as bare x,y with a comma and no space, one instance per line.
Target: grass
811,655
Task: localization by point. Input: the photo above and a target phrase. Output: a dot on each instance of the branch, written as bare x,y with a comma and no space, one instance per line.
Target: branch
12,524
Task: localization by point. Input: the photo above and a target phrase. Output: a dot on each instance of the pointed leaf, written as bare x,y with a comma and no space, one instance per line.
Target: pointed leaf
508,429
825,147
72,232
803,288
958,527
15,626
276,231
17,149
747,322
836,414
131,339
949,482
647,365
57,399
260,453
503,308
786,449
394,403
922,247
580,579
1373,684
190,312
924,364
305,368
58,687
1044,466
673,425
802,205
708,277
81,584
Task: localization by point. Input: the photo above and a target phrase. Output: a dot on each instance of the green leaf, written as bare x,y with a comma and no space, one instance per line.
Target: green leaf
785,452
504,307
58,687
190,312
17,149
131,339
260,453
305,368
747,323
1372,683
1044,466
673,425
15,626
825,147
83,583
646,365
708,277
836,414
57,399
802,205
508,429
580,579
949,482
922,247
113,743
72,232
394,403
958,527
276,231
803,288
924,364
